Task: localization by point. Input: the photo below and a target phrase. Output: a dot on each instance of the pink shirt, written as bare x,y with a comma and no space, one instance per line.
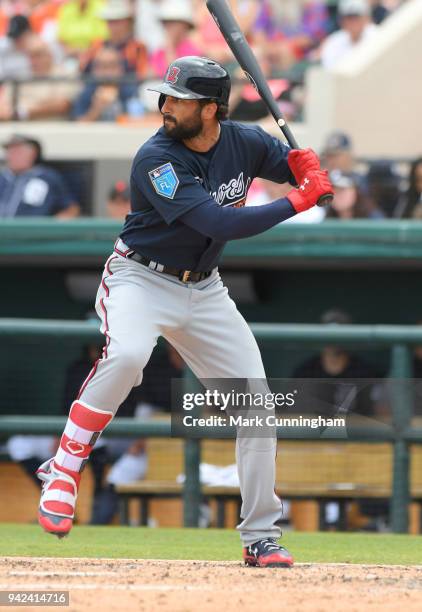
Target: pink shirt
158,60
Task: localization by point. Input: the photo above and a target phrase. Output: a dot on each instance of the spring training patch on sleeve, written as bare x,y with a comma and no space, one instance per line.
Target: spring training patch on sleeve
164,180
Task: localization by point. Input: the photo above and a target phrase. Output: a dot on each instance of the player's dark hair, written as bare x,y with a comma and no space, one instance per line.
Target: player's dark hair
222,109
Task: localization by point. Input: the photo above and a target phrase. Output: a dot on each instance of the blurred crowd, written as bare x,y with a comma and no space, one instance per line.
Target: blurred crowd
87,60
30,187
93,60
377,189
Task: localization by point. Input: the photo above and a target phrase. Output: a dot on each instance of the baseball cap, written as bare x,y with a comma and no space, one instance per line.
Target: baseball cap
120,189
18,25
342,179
116,9
335,316
337,141
348,8
16,139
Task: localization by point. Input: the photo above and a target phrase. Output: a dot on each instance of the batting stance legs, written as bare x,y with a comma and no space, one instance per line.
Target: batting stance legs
136,306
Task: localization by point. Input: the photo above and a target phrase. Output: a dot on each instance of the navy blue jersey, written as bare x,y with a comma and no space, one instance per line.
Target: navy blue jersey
40,191
168,180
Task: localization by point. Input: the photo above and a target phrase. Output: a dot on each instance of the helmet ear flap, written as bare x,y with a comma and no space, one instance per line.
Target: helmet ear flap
161,101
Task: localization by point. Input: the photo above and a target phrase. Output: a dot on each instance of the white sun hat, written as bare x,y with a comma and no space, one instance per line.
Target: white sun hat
116,9
177,11
353,7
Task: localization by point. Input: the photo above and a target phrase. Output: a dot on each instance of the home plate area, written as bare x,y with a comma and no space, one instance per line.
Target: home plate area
184,586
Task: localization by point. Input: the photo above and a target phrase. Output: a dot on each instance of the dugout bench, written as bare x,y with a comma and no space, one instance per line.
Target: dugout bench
311,474
145,491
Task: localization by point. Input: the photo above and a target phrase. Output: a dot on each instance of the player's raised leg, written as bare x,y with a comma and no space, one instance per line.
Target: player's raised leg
218,343
124,304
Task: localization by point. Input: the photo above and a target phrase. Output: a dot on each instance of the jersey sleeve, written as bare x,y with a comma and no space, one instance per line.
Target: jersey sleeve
274,166
167,186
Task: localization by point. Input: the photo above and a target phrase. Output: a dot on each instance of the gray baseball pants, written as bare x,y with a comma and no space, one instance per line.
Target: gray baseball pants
136,306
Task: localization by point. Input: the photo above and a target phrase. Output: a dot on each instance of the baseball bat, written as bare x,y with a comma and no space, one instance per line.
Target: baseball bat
237,42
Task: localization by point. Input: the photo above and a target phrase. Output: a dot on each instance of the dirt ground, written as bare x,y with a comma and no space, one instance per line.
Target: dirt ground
193,586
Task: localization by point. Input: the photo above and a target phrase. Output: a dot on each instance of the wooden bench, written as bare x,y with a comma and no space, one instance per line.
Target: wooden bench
145,491
318,472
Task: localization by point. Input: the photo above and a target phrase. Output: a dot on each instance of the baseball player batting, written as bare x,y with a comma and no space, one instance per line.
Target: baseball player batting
189,184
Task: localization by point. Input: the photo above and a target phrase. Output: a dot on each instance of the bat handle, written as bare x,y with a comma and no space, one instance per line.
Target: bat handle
325,199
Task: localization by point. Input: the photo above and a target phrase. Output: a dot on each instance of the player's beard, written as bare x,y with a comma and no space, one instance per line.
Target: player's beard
183,131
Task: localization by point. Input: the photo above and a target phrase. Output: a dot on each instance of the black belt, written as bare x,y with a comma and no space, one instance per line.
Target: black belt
186,276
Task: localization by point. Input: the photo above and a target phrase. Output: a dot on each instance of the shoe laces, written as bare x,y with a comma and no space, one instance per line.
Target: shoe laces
270,544
267,545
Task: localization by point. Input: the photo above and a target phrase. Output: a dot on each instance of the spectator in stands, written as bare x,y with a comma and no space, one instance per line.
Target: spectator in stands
337,154
349,202
337,363
14,62
178,22
43,15
288,30
79,24
355,27
30,188
411,205
383,187
39,99
118,203
119,17
105,99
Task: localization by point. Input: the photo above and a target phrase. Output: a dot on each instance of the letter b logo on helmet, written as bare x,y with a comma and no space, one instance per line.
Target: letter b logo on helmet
195,78
172,73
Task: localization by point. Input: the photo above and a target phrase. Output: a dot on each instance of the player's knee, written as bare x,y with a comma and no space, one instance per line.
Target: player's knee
132,358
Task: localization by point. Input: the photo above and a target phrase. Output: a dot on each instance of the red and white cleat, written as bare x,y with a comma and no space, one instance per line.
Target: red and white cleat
58,499
267,553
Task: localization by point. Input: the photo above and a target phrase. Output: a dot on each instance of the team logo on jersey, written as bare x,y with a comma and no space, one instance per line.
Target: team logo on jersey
236,189
173,74
165,181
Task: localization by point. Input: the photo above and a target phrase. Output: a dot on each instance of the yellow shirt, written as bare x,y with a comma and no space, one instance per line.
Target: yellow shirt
79,28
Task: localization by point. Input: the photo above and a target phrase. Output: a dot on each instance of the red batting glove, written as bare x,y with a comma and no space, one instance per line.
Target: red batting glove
314,185
302,161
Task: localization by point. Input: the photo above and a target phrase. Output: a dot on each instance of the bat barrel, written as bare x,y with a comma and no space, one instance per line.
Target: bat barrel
240,48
